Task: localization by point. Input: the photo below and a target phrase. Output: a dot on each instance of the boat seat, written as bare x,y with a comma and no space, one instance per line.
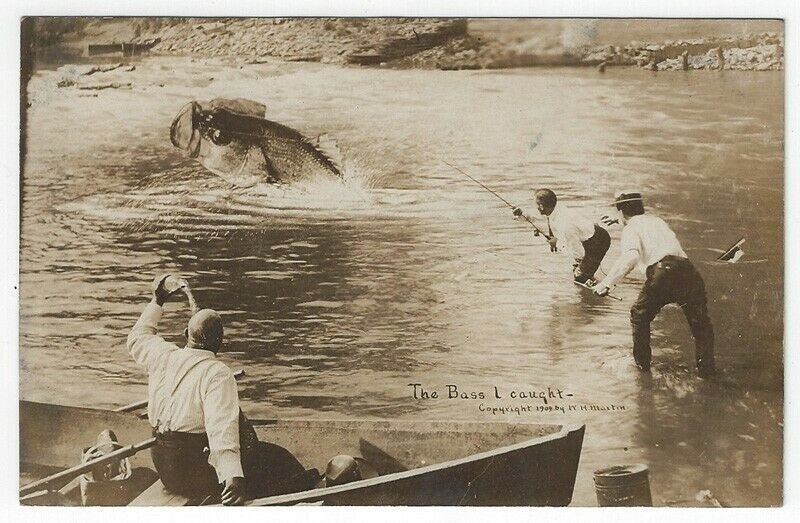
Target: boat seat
158,496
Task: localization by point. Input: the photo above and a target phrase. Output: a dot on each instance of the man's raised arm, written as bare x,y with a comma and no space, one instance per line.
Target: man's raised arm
143,343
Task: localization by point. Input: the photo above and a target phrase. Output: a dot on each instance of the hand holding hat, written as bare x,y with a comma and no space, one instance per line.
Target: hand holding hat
164,287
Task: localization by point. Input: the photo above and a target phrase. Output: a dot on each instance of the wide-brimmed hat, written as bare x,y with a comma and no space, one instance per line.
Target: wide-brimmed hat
626,196
343,469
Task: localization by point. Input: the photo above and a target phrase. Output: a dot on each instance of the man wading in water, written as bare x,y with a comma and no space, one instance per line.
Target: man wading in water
648,243
587,242
204,444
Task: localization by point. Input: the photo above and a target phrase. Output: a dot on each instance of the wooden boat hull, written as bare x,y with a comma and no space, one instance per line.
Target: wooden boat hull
420,463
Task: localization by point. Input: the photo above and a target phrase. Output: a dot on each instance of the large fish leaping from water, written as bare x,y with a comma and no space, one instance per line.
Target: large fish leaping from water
232,139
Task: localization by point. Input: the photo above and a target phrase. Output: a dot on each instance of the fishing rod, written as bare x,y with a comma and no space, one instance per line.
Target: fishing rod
539,231
553,275
511,205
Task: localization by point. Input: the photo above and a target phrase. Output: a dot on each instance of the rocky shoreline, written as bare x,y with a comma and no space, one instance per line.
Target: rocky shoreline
445,44
762,52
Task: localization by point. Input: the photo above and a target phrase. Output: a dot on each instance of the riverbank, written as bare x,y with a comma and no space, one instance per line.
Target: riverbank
449,44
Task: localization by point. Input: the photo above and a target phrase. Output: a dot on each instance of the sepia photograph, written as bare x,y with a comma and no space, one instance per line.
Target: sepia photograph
385,261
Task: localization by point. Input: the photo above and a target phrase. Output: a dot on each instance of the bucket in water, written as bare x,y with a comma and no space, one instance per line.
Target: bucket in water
623,486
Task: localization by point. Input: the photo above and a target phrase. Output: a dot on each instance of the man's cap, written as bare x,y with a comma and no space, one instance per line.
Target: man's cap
626,196
204,329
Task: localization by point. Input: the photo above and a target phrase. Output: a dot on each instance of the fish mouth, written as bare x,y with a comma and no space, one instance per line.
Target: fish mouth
184,133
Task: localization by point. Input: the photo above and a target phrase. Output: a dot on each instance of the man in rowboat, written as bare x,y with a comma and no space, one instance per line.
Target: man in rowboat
586,241
193,404
204,444
648,243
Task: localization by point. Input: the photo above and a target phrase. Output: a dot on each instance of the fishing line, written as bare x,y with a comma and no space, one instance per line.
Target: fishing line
539,231
205,127
183,285
206,130
553,275
244,162
509,204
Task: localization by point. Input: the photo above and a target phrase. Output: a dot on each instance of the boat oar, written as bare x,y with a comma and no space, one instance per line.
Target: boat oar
77,470
136,405
121,453
511,205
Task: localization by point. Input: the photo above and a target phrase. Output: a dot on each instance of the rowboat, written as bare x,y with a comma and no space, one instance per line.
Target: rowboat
418,462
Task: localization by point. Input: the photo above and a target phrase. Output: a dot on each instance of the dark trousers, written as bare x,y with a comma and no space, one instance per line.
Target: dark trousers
595,249
673,280
181,459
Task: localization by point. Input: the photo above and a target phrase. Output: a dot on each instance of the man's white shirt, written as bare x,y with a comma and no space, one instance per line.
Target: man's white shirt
189,390
651,238
571,229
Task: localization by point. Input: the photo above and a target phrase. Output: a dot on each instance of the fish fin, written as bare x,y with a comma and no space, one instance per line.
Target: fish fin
328,146
273,174
282,132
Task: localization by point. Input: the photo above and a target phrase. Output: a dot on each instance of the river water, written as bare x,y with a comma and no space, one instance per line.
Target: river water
337,296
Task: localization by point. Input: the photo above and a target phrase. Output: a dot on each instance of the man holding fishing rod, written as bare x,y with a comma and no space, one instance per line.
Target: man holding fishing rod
586,241
648,243
204,444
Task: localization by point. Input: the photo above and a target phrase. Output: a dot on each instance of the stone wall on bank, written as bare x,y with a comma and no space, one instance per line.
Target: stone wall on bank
754,52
